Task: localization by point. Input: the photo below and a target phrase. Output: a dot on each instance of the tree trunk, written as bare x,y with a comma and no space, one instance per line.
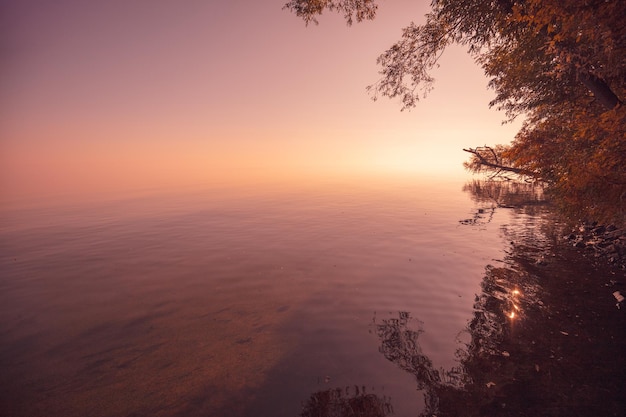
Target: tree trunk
600,90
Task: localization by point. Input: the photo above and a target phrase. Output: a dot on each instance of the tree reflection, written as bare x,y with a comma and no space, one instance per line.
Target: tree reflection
348,402
488,376
399,344
505,193
544,339
492,194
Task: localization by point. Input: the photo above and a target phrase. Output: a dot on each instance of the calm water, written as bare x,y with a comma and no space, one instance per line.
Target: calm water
240,301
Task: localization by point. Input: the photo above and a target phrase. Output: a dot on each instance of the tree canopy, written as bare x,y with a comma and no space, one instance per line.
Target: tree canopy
560,64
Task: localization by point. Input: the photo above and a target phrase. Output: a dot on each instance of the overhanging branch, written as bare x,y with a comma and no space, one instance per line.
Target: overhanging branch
495,163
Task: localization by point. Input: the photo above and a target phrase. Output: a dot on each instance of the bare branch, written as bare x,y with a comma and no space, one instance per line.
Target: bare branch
493,163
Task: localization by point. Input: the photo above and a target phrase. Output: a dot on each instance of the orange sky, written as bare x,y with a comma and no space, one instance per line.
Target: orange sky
118,94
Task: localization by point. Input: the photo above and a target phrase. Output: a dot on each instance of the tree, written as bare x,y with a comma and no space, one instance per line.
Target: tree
558,63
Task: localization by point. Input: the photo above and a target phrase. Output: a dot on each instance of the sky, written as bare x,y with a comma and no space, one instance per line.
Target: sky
106,95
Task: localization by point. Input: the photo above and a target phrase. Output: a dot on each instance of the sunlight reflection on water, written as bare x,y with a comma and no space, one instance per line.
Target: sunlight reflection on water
224,303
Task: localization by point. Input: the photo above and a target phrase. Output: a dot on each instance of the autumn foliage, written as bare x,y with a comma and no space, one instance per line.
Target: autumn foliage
574,136
560,64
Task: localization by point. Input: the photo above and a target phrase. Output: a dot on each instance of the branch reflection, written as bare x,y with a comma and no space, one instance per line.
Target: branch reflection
399,344
348,402
472,388
492,194
541,340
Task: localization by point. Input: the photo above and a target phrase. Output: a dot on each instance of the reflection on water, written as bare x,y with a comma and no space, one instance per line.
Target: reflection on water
529,351
466,389
501,193
348,402
253,303
526,198
400,345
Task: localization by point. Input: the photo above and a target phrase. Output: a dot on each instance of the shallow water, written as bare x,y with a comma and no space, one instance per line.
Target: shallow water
240,301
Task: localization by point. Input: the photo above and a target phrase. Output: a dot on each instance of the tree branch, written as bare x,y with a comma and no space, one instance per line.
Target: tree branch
495,164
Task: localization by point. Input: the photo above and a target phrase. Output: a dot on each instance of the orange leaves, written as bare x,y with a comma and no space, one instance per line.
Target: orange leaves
582,156
560,63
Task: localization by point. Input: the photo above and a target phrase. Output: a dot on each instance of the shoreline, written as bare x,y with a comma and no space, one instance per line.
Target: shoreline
607,242
560,353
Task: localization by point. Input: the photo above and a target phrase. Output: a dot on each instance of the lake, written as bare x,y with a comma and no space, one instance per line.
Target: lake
318,299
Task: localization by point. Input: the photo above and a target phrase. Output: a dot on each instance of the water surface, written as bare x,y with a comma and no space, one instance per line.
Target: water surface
241,301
